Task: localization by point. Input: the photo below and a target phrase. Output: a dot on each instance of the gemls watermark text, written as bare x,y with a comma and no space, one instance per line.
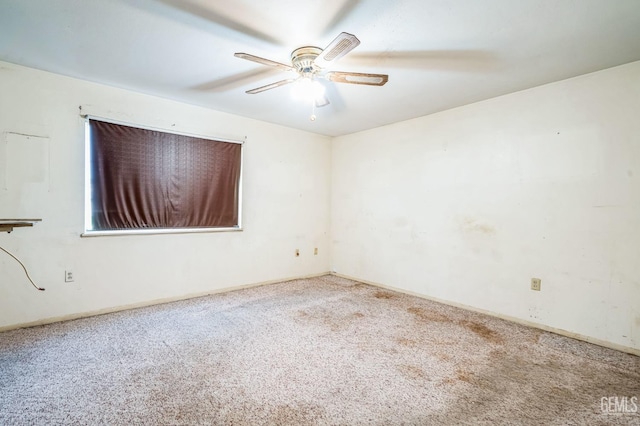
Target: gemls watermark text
619,405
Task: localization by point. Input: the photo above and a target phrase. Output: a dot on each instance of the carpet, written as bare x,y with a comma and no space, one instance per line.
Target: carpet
320,351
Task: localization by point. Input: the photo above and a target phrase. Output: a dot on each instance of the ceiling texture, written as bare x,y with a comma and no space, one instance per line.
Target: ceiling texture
439,54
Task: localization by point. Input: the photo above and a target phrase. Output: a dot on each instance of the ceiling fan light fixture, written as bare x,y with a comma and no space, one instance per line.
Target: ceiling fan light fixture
307,89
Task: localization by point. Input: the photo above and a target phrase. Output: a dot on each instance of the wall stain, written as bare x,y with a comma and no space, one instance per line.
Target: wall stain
473,226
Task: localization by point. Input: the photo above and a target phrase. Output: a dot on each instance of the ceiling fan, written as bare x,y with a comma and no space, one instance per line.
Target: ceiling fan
310,62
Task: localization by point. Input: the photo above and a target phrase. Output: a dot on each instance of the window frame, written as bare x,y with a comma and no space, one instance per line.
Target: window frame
89,232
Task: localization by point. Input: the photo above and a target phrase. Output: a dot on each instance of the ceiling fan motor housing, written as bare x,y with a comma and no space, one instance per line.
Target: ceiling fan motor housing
303,59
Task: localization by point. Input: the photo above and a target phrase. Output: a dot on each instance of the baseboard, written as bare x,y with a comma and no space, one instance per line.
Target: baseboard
153,302
539,326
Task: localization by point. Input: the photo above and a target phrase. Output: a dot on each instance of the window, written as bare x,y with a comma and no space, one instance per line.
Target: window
142,180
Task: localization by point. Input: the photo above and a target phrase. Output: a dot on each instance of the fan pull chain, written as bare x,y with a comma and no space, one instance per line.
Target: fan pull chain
313,111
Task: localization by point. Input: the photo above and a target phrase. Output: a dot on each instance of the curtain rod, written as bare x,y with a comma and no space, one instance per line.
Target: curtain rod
158,129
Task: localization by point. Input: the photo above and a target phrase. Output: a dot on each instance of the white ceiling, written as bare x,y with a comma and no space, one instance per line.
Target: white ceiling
439,54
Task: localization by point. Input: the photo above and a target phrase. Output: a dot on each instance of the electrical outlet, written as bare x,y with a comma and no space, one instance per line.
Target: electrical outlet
297,252
68,276
315,251
535,284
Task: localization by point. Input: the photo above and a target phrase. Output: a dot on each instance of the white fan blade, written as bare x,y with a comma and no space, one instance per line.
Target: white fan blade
339,47
264,61
357,78
270,86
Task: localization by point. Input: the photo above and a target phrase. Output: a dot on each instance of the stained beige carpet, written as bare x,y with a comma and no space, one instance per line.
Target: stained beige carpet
317,351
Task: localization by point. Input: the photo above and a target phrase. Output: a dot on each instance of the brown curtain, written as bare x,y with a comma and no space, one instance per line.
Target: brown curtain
150,179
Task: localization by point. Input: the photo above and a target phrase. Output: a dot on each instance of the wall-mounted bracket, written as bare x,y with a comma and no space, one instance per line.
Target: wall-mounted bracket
7,225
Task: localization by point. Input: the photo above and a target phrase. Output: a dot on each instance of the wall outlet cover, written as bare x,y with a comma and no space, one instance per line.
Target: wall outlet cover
536,284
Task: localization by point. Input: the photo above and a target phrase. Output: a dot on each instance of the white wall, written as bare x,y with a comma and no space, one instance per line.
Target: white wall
286,205
467,205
